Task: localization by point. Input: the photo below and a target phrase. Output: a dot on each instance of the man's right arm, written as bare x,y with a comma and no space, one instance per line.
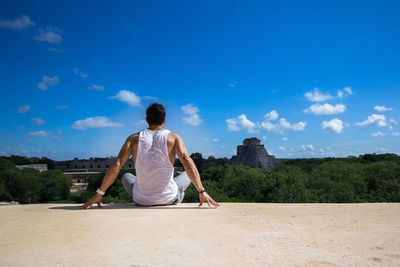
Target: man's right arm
187,162
192,171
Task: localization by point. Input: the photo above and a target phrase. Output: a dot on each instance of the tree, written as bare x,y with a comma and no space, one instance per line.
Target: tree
383,181
243,182
344,181
286,184
198,160
55,186
26,186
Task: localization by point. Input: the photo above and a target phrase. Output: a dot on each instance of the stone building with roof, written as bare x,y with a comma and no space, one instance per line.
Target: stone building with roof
253,153
78,170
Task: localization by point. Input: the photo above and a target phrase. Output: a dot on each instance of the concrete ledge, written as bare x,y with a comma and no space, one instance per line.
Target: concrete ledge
236,234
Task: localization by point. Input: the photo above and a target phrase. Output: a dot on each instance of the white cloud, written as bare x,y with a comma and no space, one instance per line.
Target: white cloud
298,126
325,109
51,35
47,81
246,123
96,87
377,134
241,122
315,95
268,126
194,118
215,139
393,121
334,125
141,122
80,73
282,148
24,108
38,121
58,134
95,122
19,23
61,106
374,119
232,84
272,115
232,125
56,50
284,138
127,97
348,90
382,108
306,148
396,134
345,92
283,124
190,109
40,134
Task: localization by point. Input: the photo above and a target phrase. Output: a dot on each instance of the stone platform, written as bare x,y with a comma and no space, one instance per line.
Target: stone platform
244,234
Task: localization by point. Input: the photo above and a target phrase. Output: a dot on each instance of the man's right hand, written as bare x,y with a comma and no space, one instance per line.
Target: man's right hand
204,197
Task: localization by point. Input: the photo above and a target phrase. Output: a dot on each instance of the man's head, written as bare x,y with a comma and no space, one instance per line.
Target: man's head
155,114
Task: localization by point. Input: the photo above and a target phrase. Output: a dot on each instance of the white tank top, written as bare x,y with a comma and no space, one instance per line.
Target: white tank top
154,172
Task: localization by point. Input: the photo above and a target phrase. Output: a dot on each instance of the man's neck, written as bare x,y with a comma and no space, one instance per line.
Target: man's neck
156,127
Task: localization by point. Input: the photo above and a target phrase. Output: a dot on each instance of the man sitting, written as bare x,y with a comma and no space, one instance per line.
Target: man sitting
153,150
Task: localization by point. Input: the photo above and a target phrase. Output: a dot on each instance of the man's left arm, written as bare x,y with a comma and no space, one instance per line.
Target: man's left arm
118,164
112,173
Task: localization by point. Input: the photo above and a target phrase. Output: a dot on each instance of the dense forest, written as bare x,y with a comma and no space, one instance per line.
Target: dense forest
29,185
366,178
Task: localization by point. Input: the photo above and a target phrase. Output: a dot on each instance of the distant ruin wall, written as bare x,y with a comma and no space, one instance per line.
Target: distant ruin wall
93,164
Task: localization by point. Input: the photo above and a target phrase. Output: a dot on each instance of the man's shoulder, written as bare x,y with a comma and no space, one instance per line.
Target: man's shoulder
133,137
173,135
173,138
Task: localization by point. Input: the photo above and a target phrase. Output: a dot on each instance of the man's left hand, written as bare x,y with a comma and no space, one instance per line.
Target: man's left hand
95,199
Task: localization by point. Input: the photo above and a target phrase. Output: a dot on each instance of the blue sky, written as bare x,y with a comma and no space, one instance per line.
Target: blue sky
309,78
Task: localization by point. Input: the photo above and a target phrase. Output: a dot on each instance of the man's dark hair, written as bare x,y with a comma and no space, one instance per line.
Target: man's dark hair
155,114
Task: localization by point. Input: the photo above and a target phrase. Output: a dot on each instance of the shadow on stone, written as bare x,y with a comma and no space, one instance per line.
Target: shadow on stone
130,206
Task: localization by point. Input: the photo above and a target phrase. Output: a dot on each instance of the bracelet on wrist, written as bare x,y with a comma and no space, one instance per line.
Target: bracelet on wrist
202,190
100,192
